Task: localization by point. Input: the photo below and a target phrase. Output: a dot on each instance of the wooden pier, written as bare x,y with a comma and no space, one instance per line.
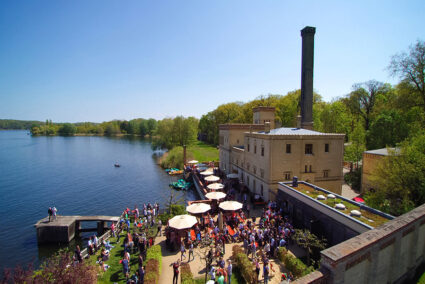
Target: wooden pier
64,228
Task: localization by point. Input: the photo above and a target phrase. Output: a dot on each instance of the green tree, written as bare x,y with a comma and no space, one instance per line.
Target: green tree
387,129
411,70
151,126
308,241
335,118
399,179
112,128
67,129
354,151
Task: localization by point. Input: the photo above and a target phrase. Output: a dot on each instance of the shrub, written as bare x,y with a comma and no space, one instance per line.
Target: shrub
281,254
154,252
244,264
186,274
293,264
153,264
152,271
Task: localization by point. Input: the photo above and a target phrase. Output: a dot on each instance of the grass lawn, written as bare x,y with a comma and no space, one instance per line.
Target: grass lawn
203,152
114,273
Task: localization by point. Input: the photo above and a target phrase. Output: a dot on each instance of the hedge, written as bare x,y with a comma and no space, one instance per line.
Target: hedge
152,271
153,264
245,265
186,274
293,264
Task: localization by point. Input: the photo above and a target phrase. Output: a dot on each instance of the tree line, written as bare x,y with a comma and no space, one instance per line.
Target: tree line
137,126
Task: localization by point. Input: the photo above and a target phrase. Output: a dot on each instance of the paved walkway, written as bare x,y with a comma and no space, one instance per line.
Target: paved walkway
197,266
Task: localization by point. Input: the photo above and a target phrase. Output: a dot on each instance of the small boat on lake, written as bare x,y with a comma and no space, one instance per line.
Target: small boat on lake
117,165
181,184
175,172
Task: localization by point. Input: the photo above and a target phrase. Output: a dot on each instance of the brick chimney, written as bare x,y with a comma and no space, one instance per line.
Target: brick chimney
307,62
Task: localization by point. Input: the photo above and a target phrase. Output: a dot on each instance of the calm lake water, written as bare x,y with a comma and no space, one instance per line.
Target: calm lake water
77,176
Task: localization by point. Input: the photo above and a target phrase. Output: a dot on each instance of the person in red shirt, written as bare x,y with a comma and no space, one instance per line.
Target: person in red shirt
176,266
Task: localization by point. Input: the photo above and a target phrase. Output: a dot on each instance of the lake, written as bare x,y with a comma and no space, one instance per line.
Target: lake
78,177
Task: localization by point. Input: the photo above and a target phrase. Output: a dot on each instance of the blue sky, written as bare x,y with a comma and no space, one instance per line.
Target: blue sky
102,60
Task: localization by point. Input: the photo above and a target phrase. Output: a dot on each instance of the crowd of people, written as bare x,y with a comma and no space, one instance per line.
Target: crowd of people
260,238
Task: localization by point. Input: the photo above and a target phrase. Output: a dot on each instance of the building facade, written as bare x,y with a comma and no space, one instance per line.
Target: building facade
263,156
370,160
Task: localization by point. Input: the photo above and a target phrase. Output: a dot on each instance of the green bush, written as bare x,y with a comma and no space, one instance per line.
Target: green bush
293,264
164,217
244,264
177,209
173,159
282,254
186,274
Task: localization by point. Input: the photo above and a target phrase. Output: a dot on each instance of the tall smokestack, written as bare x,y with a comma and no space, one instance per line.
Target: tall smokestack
307,62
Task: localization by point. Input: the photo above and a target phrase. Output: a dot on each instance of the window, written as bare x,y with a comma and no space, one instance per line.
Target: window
247,180
261,190
288,148
287,175
326,173
248,146
262,150
310,169
262,173
306,167
255,149
255,170
237,141
254,185
309,149
327,148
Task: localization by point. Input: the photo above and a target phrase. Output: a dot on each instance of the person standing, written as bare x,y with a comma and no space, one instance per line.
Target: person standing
54,210
266,271
182,250
159,228
257,269
141,274
78,255
229,271
191,251
50,213
176,266
125,267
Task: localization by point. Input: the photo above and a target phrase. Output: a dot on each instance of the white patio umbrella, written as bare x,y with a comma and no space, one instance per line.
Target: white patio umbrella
198,208
206,173
215,186
230,205
232,176
215,195
181,222
193,162
212,178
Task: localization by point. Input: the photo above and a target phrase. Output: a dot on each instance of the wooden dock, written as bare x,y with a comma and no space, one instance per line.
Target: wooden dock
64,228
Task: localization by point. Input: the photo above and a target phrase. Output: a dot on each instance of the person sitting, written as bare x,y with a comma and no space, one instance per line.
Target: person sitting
104,254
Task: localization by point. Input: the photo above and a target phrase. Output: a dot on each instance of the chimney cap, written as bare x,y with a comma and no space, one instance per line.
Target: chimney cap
308,30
